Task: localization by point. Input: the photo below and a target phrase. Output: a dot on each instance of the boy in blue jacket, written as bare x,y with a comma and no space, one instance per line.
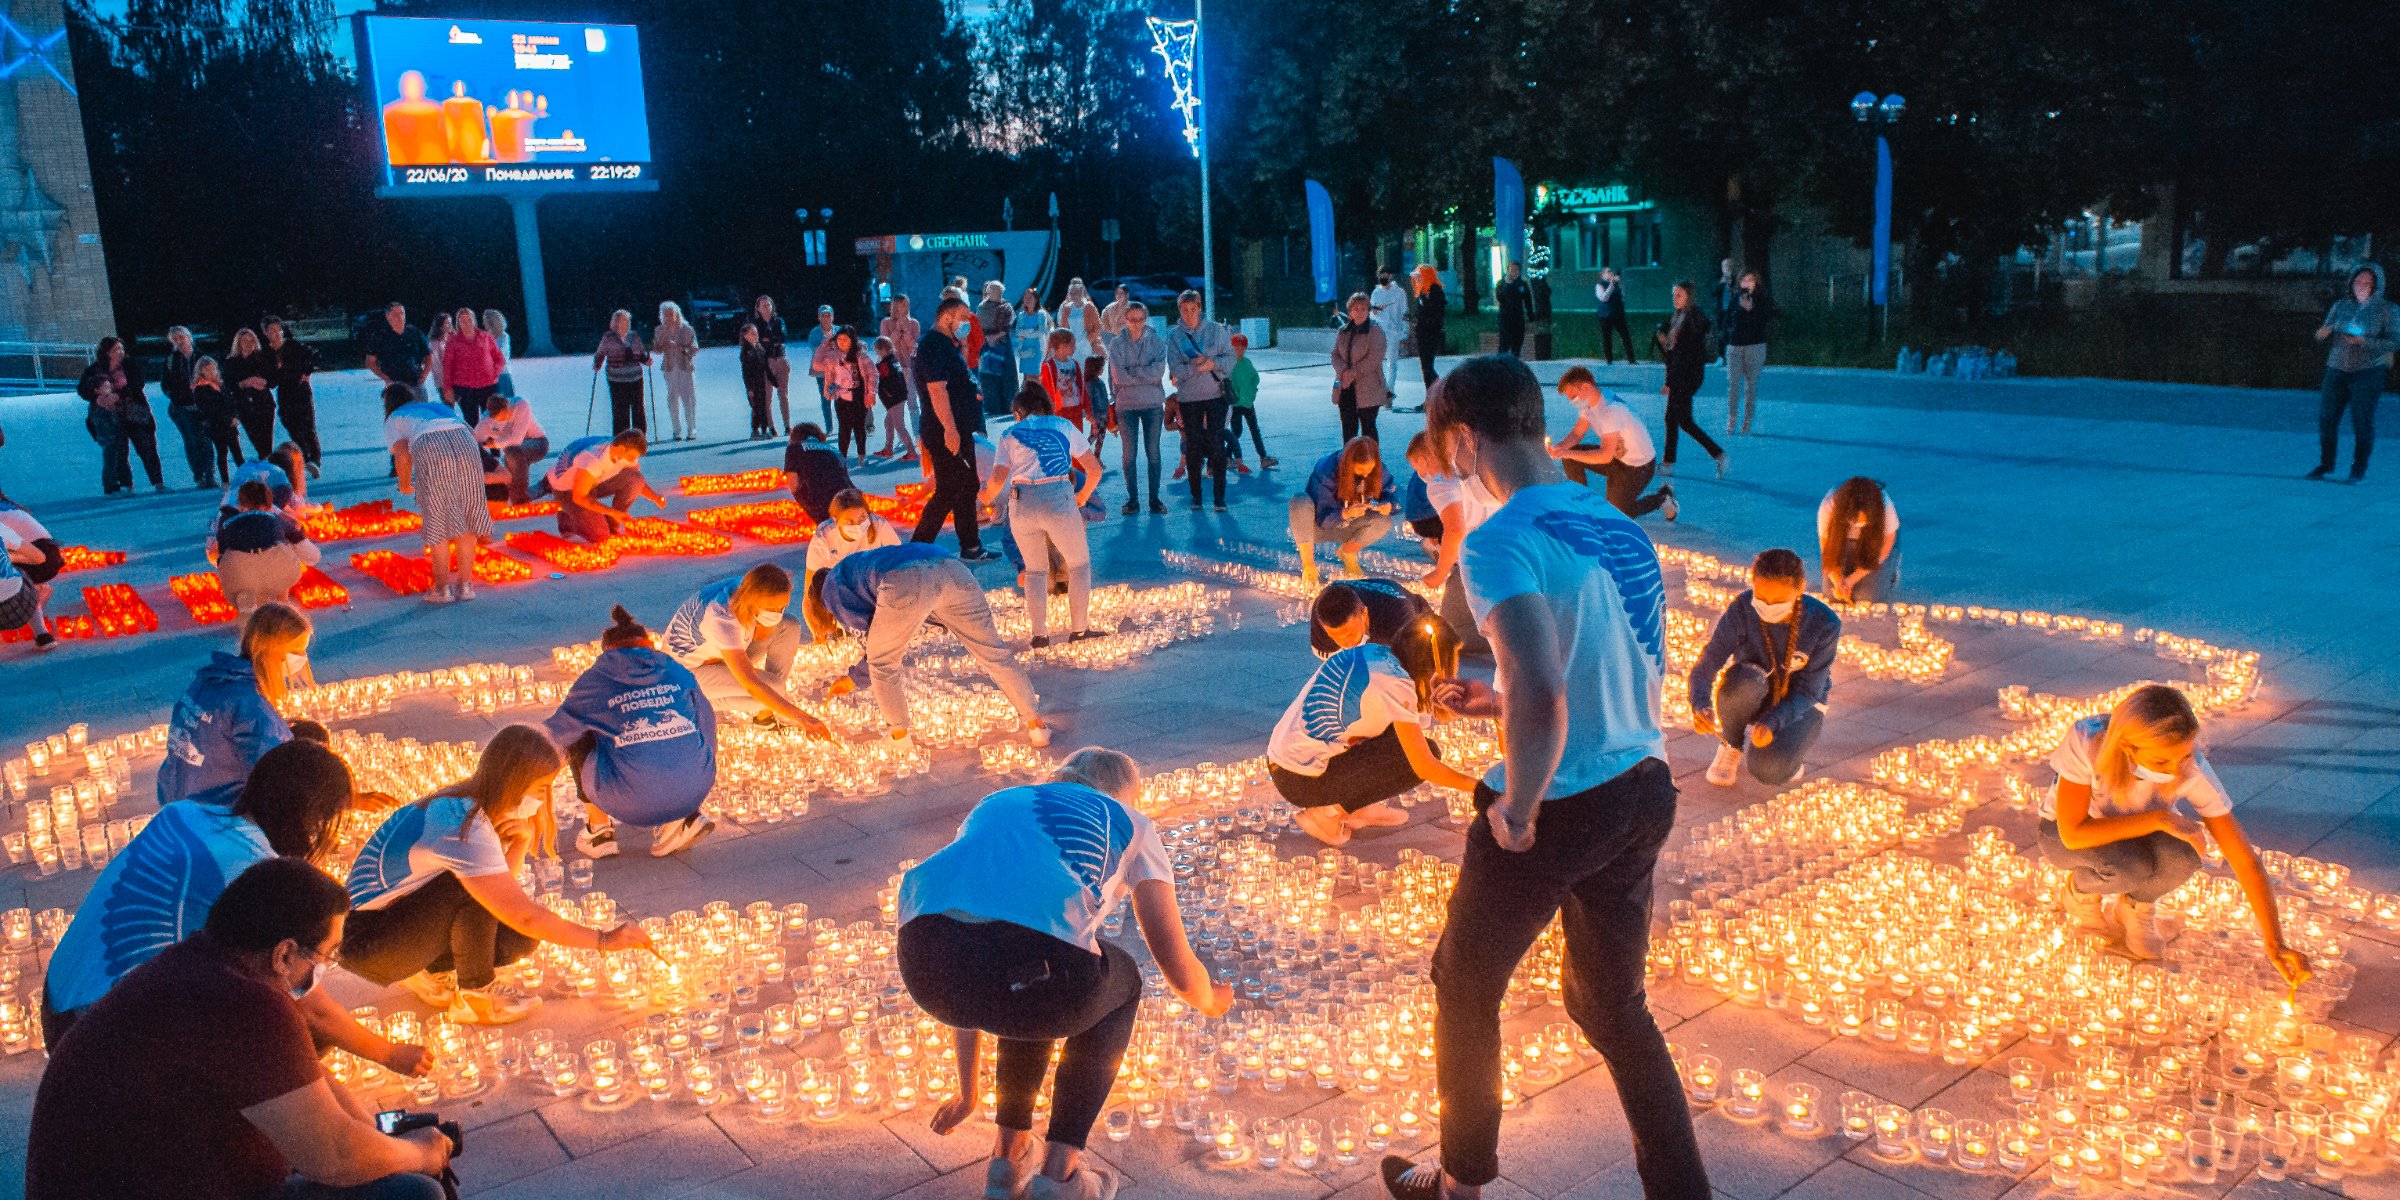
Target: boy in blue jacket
641,741
1761,682
883,596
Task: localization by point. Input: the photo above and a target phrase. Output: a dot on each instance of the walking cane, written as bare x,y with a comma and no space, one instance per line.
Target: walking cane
589,401
649,407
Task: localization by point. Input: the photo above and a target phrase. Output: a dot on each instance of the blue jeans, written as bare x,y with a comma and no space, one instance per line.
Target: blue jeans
390,1187
2140,869
199,453
2357,391
1143,425
1742,696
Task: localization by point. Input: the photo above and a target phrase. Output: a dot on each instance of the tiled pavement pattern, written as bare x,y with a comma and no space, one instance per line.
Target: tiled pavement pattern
2178,508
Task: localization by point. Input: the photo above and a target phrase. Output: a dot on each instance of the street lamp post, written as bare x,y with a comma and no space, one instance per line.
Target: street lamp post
1880,115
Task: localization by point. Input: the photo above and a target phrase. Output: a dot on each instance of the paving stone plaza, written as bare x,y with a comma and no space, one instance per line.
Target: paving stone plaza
2064,539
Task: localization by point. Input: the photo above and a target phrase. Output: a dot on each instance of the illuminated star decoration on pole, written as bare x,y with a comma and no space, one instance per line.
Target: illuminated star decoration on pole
23,49
1176,42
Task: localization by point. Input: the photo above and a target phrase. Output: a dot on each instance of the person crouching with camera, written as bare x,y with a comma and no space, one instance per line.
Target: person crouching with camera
195,1079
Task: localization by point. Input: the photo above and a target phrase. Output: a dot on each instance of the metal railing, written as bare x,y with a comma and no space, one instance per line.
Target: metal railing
42,366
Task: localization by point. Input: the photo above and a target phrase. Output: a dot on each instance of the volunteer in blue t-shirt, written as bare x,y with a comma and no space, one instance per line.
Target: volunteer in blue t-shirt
1569,592
734,637
597,479
1036,466
158,890
1000,934
435,903
884,596
1355,736
228,718
641,742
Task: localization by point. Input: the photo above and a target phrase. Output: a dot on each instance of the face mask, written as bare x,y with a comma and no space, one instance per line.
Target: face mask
301,990
293,664
770,616
1772,612
525,809
2147,775
853,529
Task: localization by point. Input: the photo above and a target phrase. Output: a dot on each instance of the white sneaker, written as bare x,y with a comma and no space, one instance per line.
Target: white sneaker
679,835
494,1005
436,990
1007,1178
1726,767
1088,1183
466,591
2144,939
2086,912
438,595
602,844
1668,507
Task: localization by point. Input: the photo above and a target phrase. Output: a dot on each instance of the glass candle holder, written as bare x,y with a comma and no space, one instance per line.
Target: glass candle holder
2277,1146
1858,1116
1748,1097
1344,1141
1891,1128
1703,1076
1227,1135
2204,1156
2066,1174
1270,1140
2014,1144
1799,1108
1975,1147
1937,1132
1307,1143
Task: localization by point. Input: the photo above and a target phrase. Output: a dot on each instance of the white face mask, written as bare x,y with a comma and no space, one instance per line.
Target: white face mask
293,664
526,808
1772,612
853,529
2150,775
770,616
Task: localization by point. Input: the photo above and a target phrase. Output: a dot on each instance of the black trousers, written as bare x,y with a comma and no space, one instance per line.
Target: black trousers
296,407
1590,866
1624,483
1236,417
625,406
954,486
1679,417
1615,327
256,411
470,401
1204,437
1429,344
1030,990
2357,392
1512,337
1356,421
852,419
226,437
762,421
438,927
1370,772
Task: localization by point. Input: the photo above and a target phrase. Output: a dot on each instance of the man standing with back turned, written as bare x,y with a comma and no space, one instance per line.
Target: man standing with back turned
952,417
1569,593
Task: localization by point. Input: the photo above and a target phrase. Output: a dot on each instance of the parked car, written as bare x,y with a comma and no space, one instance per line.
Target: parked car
1156,292
714,320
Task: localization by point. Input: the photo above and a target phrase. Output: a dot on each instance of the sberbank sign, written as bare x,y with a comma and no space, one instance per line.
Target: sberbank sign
948,241
1594,196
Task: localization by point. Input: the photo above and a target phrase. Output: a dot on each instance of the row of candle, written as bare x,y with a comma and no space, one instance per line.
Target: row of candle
84,558
762,479
371,519
412,574
775,522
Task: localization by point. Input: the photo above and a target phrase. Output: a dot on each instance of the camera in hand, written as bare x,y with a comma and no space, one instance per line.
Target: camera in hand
395,1122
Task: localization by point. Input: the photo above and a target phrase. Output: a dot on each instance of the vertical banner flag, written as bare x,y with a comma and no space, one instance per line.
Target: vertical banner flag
1883,221
1323,256
1508,209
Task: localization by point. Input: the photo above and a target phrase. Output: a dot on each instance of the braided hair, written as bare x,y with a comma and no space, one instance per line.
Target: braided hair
1780,564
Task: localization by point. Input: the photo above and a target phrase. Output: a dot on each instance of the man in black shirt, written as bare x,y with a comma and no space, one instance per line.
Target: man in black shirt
398,353
952,416
814,471
1515,302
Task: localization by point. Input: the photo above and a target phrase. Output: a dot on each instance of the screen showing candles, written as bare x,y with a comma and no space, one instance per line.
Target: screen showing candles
504,105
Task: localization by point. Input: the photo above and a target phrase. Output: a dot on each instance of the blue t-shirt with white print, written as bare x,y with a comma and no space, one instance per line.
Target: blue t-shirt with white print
154,894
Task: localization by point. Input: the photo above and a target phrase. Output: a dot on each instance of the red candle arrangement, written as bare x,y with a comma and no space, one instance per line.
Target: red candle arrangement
84,558
203,596
764,479
660,537
776,522
575,557
504,511
373,519
118,610
412,574
316,589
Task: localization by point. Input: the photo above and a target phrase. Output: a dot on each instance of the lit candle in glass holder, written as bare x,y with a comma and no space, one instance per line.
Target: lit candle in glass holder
1937,1131
1891,1128
1702,1078
1800,1108
1749,1095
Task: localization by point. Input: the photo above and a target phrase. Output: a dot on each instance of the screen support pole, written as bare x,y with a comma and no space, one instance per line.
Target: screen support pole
529,270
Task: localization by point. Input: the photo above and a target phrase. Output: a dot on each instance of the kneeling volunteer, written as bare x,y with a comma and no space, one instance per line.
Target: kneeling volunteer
1858,539
160,888
884,596
1000,934
2111,823
1761,683
734,639
195,1079
228,717
854,527
1355,735
438,906
641,743
1354,611
597,480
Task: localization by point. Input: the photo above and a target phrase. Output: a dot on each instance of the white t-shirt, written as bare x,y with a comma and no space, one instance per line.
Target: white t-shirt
1041,448
1071,319
1599,574
1388,305
1355,694
10,581
418,843
512,427
703,627
1608,415
1052,857
589,456
2196,782
22,524
1891,518
1442,491
827,546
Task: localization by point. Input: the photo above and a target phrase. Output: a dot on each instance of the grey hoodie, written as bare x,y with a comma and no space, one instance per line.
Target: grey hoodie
2377,322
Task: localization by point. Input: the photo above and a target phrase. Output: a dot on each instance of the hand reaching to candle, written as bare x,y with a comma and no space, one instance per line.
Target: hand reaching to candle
2174,822
2293,965
1467,697
628,936
953,1112
406,1059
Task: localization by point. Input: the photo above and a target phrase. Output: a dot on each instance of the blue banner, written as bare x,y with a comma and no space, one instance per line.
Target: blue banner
1508,209
1883,222
1324,257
